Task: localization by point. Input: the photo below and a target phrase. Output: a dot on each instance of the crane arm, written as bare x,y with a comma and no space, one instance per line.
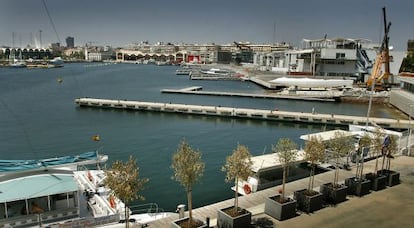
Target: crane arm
376,74
382,58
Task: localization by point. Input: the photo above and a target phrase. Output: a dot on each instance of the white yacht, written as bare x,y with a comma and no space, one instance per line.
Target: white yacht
267,172
60,191
213,74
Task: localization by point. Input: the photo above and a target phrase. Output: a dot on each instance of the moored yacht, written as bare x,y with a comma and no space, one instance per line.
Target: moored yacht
267,172
59,191
213,74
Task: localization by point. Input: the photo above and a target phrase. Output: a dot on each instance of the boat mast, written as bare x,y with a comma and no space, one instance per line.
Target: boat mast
386,44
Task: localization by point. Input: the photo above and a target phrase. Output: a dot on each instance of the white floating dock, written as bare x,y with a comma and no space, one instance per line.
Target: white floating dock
261,114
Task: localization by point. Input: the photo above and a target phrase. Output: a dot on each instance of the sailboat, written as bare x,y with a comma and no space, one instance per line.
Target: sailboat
16,63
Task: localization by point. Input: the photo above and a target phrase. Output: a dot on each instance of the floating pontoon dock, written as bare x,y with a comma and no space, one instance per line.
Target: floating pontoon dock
260,114
196,90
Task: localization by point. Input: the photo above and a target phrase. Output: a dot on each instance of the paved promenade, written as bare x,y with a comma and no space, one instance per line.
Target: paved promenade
392,207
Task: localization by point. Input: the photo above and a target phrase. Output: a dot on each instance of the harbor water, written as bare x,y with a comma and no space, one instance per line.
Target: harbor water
38,119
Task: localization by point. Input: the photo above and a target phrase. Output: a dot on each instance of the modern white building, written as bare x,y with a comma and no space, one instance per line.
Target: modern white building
340,57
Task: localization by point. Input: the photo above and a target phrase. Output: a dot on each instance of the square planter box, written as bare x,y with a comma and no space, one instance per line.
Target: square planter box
181,222
308,203
333,195
224,220
378,182
393,177
280,211
358,187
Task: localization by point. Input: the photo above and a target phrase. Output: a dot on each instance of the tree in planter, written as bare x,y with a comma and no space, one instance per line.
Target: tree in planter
124,181
377,180
390,148
286,150
339,147
238,166
314,152
378,146
309,200
364,143
188,169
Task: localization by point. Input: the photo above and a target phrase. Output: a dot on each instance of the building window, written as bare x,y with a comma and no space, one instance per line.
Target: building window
340,55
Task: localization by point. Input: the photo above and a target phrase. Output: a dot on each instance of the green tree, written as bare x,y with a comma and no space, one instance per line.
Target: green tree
287,153
188,169
378,146
238,166
339,147
364,143
314,152
390,150
124,181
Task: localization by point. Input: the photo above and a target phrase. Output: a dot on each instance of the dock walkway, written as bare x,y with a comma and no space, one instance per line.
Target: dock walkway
259,114
191,90
255,202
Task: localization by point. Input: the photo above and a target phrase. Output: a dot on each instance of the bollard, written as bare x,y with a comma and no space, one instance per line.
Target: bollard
181,210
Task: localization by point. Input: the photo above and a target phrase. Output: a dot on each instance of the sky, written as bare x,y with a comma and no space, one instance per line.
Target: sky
123,22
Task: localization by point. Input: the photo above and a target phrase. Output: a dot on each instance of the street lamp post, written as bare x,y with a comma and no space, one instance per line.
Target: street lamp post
409,131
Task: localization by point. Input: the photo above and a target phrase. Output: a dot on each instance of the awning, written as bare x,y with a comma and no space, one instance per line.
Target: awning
35,186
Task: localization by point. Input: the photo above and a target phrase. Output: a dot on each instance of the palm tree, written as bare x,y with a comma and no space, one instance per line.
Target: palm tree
188,169
286,150
238,166
124,181
314,152
340,146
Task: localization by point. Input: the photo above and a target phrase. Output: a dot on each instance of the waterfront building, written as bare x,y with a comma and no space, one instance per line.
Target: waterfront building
69,52
27,53
340,57
403,97
321,57
70,42
198,53
98,56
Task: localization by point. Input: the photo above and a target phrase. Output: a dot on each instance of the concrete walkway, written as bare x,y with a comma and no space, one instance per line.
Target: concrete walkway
392,207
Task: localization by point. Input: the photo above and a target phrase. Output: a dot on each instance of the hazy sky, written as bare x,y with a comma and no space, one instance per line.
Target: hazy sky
122,22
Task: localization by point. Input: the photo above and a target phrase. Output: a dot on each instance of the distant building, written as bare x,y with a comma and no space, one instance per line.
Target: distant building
410,46
70,42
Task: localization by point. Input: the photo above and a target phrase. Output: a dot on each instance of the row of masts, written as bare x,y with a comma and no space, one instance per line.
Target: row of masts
34,42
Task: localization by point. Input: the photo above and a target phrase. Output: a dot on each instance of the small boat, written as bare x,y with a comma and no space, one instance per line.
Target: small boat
56,191
213,74
183,71
17,64
267,172
56,61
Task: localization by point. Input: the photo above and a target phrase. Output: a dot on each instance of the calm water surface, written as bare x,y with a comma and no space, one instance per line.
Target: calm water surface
38,119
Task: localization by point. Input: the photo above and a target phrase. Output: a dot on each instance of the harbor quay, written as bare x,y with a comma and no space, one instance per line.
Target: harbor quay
232,112
196,91
391,207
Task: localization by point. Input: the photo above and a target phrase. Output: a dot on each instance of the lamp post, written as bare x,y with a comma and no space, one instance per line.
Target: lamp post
409,131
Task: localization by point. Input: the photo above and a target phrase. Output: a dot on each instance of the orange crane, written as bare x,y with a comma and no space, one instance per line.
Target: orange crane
379,80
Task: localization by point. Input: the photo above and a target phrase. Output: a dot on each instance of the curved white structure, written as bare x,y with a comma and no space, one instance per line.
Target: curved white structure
313,83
